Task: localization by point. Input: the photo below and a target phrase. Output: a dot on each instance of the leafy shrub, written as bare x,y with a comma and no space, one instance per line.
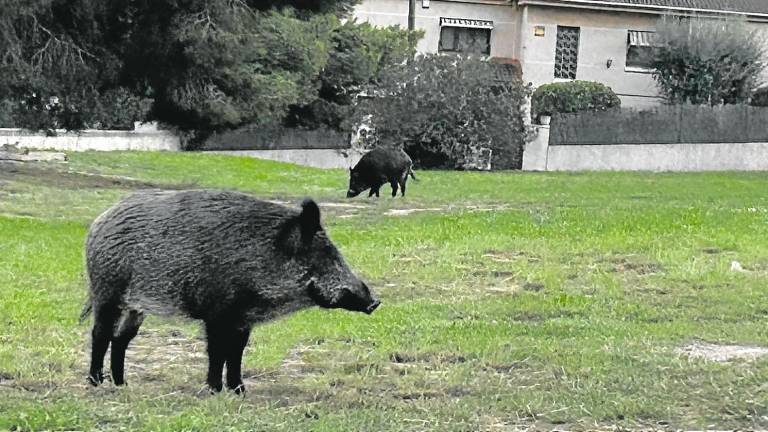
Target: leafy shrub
6,113
445,110
707,61
114,109
573,96
359,51
760,97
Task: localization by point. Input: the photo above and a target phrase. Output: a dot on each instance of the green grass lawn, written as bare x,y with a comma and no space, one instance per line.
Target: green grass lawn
509,300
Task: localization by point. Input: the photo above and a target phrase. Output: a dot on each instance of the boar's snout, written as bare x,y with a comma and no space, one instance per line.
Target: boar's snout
352,194
372,307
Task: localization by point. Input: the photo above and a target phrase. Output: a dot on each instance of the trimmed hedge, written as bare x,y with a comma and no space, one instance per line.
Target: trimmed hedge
572,96
670,124
760,97
258,138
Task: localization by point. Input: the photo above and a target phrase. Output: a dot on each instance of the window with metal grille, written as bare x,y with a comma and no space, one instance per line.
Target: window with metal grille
567,52
465,40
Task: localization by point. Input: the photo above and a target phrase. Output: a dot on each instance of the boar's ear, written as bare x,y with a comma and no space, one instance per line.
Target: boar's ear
309,219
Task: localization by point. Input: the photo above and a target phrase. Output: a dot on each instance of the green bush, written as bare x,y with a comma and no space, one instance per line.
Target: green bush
759,97
572,96
707,61
116,108
6,113
447,110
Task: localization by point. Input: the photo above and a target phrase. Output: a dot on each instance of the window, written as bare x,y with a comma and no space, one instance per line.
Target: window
567,52
465,36
640,45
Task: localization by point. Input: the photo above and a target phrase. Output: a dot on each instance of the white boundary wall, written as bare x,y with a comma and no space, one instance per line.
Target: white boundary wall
318,158
540,156
147,138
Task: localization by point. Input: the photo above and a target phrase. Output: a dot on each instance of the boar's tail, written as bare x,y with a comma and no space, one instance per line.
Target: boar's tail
410,172
87,309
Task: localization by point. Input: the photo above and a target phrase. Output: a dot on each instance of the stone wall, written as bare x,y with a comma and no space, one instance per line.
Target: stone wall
318,158
146,138
678,157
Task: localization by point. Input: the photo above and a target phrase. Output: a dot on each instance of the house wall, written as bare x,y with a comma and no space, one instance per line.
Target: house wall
603,37
505,17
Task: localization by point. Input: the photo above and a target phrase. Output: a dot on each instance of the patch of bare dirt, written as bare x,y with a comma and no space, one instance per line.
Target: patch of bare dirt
469,208
634,264
502,256
41,174
722,353
406,212
403,358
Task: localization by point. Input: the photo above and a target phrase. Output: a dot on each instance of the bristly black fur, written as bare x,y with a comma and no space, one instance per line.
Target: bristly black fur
381,165
225,258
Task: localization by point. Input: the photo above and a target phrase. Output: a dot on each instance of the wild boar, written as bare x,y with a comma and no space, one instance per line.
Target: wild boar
381,165
225,258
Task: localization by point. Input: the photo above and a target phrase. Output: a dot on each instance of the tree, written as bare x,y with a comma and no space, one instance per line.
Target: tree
53,48
706,61
207,64
359,52
444,109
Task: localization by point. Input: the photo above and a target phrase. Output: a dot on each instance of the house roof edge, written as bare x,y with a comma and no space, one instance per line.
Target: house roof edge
633,7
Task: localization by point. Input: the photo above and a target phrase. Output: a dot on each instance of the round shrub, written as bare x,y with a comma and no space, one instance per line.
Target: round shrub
760,97
449,112
572,96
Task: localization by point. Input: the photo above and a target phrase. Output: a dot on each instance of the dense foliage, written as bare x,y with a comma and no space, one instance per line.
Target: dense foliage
358,54
707,61
199,65
572,96
760,97
445,110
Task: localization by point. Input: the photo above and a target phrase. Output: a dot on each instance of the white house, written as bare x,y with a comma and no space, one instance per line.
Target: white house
551,40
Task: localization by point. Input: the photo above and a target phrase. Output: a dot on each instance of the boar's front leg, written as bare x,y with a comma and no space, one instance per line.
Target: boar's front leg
217,351
234,360
226,342
126,330
393,183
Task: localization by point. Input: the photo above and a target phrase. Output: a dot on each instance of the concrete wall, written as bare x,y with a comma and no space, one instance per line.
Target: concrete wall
318,158
603,36
144,138
540,156
505,17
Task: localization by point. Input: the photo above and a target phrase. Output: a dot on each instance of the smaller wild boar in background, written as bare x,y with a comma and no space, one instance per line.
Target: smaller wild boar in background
381,165
225,258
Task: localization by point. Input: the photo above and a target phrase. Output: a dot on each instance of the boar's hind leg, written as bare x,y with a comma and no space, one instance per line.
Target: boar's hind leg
237,342
104,318
394,188
126,329
402,182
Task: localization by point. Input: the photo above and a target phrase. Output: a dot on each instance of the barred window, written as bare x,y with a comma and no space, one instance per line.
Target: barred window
567,52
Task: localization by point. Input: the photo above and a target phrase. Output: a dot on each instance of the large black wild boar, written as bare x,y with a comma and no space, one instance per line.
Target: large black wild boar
225,258
381,165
